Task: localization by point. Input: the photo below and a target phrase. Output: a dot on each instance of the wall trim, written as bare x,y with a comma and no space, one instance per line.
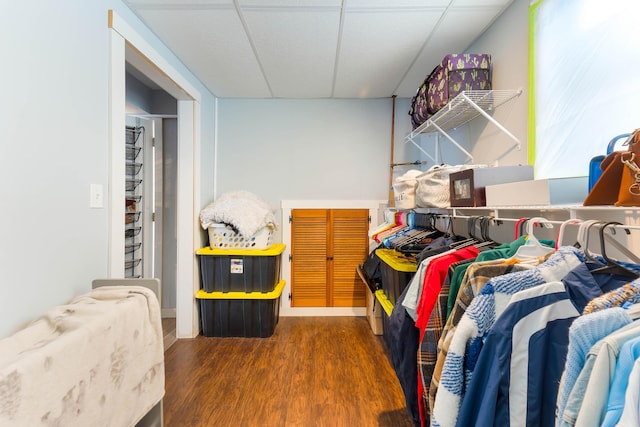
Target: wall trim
126,39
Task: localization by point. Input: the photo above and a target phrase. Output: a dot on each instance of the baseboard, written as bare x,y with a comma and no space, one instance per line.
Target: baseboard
168,313
323,311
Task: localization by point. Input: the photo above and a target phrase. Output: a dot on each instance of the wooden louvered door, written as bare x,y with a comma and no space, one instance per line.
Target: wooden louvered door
326,247
309,257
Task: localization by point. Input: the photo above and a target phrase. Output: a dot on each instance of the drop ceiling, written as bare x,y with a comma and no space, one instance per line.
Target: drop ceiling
315,48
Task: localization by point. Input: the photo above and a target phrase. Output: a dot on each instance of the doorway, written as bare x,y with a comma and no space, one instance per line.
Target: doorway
127,46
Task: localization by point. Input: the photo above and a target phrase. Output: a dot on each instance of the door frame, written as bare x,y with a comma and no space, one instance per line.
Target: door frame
128,45
375,207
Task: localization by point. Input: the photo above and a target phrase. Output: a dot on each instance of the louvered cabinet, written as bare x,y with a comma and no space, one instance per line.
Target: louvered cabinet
327,246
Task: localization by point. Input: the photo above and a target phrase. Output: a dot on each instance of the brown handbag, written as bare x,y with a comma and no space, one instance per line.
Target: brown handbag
619,183
629,194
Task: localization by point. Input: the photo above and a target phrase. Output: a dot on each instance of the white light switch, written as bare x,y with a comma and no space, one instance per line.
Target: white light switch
96,196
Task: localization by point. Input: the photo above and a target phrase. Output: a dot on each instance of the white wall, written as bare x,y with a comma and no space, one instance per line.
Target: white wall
507,42
54,133
319,149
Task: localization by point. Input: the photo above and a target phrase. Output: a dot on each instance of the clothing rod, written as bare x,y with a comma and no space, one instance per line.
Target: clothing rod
554,222
417,162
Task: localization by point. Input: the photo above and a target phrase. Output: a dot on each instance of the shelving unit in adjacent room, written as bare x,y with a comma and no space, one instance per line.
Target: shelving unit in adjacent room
133,264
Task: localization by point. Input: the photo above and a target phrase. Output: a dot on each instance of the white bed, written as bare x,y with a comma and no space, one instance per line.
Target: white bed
96,361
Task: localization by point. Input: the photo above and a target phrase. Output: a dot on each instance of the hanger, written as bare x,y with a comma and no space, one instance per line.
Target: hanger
487,241
560,237
518,227
583,240
472,239
612,267
623,249
532,247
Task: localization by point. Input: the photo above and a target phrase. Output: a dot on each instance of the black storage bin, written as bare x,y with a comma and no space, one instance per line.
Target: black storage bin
239,314
387,309
396,271
240,270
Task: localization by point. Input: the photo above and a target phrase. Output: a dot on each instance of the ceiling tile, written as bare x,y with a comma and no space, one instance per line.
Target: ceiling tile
214,46
377,48
481,3
296,49
290,3
178,4
396,4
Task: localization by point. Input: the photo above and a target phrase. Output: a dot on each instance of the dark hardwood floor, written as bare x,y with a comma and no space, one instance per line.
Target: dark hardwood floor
313,371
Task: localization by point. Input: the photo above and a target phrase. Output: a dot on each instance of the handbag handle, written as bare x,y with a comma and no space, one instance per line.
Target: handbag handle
612,143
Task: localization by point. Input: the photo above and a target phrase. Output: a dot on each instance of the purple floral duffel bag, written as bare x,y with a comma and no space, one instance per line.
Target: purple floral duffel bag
457,73
419,110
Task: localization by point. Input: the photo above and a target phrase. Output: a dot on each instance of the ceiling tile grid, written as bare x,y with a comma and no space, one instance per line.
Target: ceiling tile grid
296,49
377,49
315,48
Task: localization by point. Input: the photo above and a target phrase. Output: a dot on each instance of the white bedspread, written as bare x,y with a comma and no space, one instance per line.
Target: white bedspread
243,210
97,361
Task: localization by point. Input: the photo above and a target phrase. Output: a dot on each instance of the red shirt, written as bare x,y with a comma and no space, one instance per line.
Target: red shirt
433,278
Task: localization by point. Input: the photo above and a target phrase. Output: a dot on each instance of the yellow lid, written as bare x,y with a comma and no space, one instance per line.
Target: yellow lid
397,260
275,293
272,250
386,305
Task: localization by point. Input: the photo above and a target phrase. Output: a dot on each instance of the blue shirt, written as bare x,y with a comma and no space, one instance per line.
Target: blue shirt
629,352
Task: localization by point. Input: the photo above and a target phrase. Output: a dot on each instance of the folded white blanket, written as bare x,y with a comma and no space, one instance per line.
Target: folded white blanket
243,210
98,360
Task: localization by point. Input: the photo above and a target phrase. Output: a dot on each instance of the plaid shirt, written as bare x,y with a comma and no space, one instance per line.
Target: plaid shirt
428,350
476,276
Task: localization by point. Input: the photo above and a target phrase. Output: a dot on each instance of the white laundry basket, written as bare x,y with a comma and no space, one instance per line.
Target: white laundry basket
222,236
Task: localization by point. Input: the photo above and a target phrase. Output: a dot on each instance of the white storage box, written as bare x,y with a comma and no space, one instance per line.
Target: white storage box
468,186
539,192
222,236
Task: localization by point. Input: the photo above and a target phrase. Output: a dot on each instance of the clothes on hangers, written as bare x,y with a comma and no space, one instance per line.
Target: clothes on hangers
431,287
622,366
630,413
472,277
433,279
593,402
529,337
468,330
476,276
438,246
436,326
605,351
428,350
584,333
405,345
414,292
501,252
475,323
